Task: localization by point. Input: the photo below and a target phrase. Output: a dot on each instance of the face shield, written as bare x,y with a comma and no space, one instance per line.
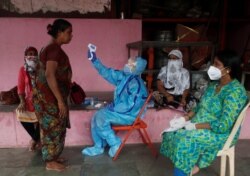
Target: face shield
130,66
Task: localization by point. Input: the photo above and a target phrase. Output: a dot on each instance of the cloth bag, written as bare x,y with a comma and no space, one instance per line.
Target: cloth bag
77,94
26,116
9,97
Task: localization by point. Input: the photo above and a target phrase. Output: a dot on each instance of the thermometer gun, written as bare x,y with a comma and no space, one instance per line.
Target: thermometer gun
92,48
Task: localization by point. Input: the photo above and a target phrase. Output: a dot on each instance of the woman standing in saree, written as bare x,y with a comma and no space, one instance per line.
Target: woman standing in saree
52,87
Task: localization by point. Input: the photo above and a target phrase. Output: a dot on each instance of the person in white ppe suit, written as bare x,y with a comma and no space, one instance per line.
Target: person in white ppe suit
173,82
129,96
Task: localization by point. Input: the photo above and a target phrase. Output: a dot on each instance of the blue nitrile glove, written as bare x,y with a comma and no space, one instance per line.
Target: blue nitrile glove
91,56
91,52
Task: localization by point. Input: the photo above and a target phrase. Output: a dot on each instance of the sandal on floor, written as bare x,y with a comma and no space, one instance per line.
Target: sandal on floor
55,169
62,160
55,166
38,146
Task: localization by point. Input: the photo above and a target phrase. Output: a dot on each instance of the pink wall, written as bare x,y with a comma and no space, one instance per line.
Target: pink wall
14,135
110,36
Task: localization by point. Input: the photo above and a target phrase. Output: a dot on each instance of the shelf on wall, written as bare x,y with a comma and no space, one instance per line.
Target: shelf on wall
193,20
239,20
146,44
147,71
179,20
151,71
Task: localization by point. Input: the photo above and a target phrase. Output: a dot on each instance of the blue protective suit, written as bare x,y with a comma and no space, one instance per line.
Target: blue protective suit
129,96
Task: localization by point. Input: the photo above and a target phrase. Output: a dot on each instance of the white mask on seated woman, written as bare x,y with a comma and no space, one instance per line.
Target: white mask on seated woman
175,65
214,73
30,63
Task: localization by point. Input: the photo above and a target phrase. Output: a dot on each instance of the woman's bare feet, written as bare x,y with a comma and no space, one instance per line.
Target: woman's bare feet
55,166
195,170
38,146
32,145
61,160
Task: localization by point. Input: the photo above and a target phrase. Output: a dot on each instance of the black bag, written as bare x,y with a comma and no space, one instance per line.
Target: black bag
77,94
9,97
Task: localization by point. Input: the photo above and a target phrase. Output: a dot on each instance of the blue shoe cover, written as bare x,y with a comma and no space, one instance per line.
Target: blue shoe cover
104,143
113,149
92,151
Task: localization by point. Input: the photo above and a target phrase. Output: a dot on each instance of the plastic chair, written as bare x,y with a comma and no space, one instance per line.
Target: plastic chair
229,150
138,125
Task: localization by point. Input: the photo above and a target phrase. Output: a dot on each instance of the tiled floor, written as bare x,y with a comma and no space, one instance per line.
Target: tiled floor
134,160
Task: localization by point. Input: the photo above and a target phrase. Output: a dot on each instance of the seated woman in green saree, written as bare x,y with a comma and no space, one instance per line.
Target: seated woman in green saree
206,128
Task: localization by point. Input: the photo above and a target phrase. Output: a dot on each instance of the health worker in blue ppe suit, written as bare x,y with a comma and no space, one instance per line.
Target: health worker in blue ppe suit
129,96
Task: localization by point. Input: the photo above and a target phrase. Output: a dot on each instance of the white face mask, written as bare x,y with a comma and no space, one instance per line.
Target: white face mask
174,65
31,62
214,73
